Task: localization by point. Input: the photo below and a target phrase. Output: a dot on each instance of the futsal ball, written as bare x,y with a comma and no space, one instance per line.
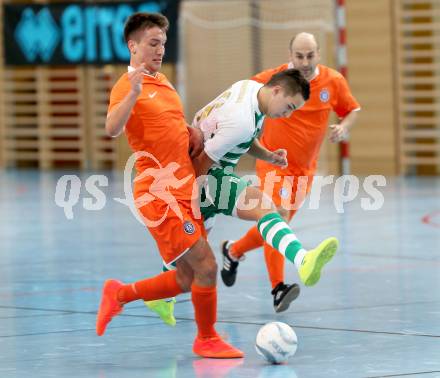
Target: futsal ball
276,342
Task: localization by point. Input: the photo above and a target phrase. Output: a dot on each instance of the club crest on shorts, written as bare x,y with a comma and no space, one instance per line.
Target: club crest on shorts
188,227
324,95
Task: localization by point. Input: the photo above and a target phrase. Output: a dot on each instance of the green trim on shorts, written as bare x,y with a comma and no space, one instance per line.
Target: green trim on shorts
223,188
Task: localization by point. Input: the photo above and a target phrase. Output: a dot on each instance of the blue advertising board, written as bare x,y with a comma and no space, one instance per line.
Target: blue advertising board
77,33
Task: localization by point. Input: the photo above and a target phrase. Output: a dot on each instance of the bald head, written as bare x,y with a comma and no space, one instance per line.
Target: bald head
304,41
304,54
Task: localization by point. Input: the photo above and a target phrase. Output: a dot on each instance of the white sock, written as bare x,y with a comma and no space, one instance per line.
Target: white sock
299,257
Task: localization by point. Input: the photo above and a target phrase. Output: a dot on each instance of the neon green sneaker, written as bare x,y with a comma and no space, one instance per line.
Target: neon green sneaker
163,308
315,259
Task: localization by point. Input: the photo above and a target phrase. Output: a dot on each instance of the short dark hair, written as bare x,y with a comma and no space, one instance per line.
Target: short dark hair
293,82
141,21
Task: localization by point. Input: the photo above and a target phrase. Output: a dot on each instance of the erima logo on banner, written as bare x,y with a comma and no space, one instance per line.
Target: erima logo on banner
86,33
37,34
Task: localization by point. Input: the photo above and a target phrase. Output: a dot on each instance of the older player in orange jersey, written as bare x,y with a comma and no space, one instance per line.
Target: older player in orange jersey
301,135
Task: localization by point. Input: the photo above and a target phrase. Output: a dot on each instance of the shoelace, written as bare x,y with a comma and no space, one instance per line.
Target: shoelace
212,341
112,313
113,310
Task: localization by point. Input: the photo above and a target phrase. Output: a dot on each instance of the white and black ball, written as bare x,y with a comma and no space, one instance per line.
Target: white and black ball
276,342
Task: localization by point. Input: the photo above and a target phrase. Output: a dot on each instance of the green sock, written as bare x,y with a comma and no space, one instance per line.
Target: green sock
277,233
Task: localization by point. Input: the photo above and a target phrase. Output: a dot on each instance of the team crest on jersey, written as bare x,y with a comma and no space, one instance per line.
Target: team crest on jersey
188,227
324,95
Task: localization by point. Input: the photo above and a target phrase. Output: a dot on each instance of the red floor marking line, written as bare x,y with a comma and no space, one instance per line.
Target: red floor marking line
429,219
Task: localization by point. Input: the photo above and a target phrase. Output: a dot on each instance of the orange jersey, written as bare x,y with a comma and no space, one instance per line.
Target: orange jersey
303,132
157,126
165,176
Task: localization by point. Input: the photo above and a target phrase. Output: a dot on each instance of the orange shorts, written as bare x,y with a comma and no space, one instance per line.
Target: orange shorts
174,226
288,188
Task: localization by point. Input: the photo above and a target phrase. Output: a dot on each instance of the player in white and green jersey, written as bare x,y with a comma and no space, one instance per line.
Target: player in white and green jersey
230,125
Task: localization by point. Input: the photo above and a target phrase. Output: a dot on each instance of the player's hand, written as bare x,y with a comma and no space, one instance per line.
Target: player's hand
279,158
337,133
195,141
136,78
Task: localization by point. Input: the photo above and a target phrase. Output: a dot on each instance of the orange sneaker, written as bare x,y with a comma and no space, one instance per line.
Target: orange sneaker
109,306
215,347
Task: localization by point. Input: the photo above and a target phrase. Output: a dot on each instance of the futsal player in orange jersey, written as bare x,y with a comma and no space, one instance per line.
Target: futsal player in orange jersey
301,135
147,108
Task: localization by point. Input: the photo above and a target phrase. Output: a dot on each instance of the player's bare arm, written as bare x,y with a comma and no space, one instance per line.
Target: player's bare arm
340,131
119,115
195,141
202,163
277,157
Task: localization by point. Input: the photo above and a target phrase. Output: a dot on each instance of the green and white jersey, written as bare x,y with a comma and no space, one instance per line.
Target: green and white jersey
230,123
